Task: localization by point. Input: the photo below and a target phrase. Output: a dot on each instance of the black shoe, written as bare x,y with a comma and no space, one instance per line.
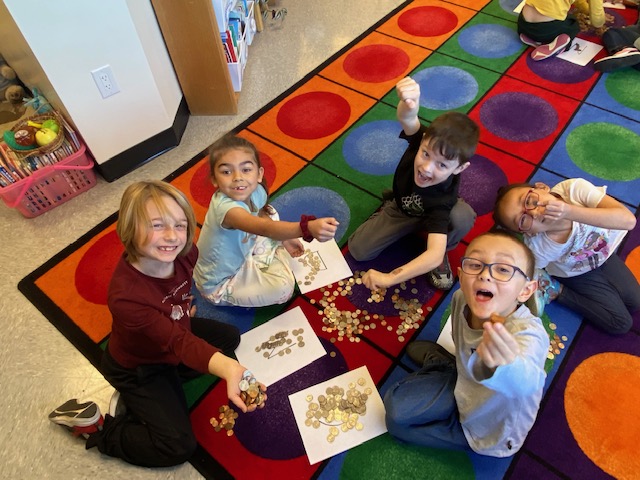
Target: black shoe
422,352
441,277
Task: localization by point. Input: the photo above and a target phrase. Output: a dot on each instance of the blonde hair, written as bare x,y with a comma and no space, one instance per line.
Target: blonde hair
134,225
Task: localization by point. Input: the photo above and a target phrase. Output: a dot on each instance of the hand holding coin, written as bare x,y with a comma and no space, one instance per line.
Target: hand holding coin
252,392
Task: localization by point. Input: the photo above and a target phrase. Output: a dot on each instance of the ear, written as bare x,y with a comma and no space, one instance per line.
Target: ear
527,290
260,174
461,168
542,186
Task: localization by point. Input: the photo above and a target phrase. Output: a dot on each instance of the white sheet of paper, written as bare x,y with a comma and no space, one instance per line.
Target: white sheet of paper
618,6
315,439
445,339
304,347
581,52
331,266
518,9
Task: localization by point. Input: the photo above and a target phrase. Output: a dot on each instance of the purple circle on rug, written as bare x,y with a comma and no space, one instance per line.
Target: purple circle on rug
480,182
393,256
272,432
519,117
560,71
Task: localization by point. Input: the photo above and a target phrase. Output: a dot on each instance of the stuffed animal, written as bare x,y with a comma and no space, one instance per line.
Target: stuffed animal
8,77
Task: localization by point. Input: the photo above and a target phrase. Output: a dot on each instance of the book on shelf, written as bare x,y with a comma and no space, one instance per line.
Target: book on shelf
229,47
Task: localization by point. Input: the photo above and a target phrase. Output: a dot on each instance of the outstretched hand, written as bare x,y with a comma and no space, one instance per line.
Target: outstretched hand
498,346
323,229
408,91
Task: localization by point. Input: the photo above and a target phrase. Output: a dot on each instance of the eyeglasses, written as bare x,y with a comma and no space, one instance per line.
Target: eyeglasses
502,272
530,203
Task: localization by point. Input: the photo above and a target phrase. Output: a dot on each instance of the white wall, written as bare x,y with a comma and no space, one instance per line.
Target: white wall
70,38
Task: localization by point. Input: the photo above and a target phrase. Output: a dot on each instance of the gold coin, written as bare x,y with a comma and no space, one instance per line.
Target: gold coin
359,426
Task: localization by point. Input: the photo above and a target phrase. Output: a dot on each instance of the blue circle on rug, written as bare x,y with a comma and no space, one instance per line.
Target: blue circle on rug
480,182
435,87
558,70
374,148
272,432
509,6
519,117
489,41
317,201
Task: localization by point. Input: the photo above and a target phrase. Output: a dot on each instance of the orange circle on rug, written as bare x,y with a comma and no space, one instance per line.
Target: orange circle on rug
601,409
313,115
633,262
376,63
428,21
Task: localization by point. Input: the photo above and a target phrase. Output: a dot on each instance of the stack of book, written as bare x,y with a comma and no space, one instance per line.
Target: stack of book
14,167
236,14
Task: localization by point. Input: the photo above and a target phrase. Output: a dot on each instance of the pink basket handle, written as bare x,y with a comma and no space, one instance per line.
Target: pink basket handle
28,181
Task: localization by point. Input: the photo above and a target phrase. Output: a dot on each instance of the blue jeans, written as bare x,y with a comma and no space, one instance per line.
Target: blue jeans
421,409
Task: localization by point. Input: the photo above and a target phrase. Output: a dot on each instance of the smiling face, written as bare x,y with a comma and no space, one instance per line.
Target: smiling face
162,240
432,168
484,294
237,174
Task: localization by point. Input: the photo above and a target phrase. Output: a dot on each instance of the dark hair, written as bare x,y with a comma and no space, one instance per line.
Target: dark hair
502,192
232,142
531,260
453,135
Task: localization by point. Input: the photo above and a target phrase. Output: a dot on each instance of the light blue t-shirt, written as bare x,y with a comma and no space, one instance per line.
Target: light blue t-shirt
223,250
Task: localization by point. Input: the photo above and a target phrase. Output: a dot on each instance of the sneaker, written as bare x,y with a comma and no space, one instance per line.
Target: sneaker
547,291
441,277
79,418
116,405
627,57
528,41
559,44
423,351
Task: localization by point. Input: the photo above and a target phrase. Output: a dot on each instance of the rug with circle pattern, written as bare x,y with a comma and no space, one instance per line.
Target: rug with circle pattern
329,146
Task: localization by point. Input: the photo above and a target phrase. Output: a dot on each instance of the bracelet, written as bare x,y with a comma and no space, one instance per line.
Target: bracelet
304,226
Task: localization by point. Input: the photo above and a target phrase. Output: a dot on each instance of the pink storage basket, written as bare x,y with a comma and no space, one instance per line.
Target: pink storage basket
51,186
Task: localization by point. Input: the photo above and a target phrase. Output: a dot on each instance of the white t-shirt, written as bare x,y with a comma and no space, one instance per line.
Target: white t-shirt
587,247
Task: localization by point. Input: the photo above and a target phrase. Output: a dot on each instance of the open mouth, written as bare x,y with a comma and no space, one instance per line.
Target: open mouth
484,295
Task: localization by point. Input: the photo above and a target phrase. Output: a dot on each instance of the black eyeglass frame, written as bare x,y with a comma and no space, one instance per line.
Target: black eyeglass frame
490,266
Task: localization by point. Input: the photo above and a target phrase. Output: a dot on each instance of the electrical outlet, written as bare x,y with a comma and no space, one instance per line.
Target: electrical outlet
105,81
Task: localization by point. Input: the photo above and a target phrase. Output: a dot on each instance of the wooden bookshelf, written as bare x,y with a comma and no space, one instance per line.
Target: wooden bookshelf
190,31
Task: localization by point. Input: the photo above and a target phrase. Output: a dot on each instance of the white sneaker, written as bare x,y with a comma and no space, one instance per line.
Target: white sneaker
116,406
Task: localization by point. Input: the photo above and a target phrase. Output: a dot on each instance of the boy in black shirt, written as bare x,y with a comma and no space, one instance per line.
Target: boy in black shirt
425,195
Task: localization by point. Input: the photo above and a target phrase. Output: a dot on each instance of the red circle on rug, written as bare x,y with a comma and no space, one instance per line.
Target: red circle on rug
202,189
376,63
427,21
313,115
95,269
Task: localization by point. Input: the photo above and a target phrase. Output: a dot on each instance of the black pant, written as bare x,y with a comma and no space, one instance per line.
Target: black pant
156,429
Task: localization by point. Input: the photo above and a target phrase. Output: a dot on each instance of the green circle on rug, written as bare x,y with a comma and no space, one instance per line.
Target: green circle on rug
588,145
384,457
622,86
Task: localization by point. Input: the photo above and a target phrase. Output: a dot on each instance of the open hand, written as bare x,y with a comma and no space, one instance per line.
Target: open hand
294,247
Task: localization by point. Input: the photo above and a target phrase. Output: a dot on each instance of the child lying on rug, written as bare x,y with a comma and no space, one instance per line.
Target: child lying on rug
155,338
487,396
549,28
243,244
425,195
573,230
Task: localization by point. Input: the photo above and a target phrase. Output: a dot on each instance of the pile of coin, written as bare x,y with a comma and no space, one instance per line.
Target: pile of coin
339,410
556,344
281,339
226,420
348,325
250,392
313,261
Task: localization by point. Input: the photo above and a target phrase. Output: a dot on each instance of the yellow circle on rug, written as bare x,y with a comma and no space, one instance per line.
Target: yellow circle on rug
601,408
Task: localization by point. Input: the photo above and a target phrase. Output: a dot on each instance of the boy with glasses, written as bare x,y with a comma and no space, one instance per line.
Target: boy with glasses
573,230
486,397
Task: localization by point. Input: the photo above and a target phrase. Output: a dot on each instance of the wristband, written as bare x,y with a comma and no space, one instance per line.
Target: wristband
304,226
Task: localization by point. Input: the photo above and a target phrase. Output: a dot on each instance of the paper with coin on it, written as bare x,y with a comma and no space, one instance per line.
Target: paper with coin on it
279,347
321,263
338,414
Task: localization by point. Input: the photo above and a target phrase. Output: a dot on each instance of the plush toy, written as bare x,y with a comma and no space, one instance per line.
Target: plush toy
8,77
